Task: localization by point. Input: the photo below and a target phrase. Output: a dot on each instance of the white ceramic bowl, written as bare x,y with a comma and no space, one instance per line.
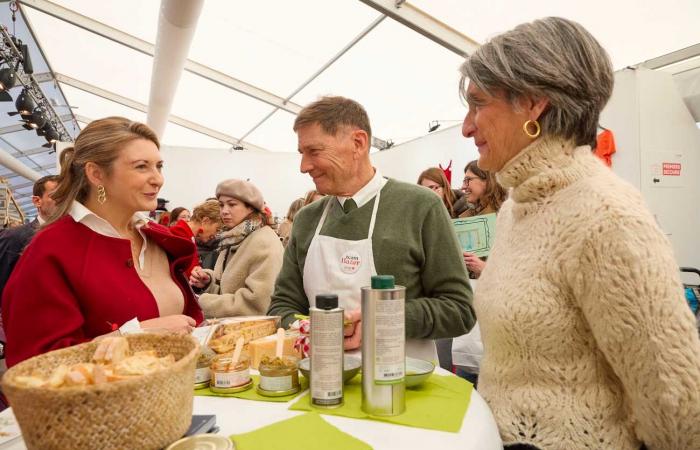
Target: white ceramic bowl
417,371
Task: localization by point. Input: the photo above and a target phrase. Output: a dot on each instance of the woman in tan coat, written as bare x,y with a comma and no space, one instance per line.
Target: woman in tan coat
250,256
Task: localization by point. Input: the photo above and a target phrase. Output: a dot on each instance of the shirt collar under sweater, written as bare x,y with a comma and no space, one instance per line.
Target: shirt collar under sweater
367,192
542,168
81,214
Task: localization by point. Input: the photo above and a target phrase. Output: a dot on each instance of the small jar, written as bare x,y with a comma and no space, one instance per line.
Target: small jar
278,376
202,373
227,377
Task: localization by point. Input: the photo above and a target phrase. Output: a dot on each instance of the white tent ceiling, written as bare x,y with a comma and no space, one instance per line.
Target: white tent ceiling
404,79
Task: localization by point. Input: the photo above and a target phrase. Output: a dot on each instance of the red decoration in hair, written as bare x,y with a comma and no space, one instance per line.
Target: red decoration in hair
448,172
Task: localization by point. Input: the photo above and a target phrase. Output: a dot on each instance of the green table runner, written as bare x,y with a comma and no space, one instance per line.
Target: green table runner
252,393
438,404
304,432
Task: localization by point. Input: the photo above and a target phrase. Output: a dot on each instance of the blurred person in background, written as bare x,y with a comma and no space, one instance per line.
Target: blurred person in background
312,196
434,179
179,213
203,226
285,228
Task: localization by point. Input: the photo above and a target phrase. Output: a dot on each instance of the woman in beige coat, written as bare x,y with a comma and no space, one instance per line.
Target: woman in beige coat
250,256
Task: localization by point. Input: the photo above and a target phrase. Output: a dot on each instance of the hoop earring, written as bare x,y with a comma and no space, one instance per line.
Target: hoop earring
101,194
526,128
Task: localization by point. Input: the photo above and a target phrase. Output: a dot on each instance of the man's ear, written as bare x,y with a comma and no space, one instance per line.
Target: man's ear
360,141
36,200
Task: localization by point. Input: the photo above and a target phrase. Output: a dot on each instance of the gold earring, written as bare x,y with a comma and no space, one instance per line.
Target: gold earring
101,194
526,128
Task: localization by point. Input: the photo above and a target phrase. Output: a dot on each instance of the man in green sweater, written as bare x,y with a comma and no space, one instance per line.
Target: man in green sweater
368,225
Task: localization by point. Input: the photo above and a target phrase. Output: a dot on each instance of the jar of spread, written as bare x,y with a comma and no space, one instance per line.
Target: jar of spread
229,378
278,376
202,373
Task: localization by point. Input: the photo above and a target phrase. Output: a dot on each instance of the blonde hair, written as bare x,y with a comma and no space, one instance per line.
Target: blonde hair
437,175
294,207
209,209
99,143
309,197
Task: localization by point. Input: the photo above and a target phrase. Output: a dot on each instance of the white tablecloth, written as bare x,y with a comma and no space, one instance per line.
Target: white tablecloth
479,431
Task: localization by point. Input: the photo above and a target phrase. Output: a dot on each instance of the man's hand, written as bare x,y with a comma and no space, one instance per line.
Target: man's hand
353,330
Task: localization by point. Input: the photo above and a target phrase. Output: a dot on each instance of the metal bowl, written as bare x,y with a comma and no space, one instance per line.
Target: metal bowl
351,367
417,371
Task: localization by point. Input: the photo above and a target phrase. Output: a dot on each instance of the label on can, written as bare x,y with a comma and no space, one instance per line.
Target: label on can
283,383
202,375
390,340
230,379
327,356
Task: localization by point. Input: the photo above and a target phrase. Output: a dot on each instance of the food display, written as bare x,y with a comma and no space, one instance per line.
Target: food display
228,331
229,374
266,346
278,375
112,361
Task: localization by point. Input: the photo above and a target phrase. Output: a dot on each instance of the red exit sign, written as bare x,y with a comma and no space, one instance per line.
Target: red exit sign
671,169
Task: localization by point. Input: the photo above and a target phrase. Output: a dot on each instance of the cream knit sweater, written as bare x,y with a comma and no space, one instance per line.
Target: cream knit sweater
588,340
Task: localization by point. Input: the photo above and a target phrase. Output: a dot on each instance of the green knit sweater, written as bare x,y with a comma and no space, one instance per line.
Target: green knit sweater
413,240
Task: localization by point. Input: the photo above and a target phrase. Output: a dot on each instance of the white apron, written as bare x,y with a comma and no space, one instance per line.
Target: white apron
342,267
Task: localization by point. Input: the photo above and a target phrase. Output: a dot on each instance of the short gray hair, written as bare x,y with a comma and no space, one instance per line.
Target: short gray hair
552,58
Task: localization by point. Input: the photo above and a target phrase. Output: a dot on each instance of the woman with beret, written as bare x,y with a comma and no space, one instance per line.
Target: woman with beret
250,256
588,342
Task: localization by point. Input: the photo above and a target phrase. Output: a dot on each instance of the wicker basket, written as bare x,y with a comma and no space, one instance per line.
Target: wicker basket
149,412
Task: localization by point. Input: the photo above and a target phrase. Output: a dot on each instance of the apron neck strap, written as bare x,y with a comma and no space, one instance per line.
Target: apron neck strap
371,222
323,216
374,214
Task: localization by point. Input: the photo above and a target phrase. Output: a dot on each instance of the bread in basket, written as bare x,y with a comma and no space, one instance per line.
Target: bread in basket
147,412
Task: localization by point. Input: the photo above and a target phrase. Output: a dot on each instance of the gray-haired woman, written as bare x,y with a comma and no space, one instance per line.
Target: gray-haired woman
588,342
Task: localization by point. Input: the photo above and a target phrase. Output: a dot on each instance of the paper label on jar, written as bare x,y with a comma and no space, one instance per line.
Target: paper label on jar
390,341
327,356
231,379
276,383
202,374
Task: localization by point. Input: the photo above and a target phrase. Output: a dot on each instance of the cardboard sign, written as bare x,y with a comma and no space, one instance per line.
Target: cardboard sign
476,234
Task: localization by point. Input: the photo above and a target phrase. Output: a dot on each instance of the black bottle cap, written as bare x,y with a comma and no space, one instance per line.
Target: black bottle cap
326,301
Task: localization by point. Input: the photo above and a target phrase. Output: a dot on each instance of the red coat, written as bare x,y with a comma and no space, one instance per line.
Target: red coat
182,229
71,284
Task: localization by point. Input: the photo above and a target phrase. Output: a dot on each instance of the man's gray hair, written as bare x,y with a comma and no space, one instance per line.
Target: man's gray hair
552,58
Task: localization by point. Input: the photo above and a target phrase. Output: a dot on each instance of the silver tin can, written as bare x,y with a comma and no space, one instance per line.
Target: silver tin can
383,347
327,353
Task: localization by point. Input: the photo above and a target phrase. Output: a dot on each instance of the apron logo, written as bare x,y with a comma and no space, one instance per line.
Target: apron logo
350,262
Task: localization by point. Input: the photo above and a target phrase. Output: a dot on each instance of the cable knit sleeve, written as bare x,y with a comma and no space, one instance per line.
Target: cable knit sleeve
628,287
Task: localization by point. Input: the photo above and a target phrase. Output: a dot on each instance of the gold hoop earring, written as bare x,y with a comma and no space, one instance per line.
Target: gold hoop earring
101,194
526,128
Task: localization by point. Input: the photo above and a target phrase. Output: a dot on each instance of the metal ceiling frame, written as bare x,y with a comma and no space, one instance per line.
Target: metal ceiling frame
19,127
133,104
135,43
120,37
425,24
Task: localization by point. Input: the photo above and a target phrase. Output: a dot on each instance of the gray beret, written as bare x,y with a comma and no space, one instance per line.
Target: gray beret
242,190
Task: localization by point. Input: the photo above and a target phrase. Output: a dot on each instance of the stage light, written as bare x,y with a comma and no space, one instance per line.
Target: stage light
24,103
